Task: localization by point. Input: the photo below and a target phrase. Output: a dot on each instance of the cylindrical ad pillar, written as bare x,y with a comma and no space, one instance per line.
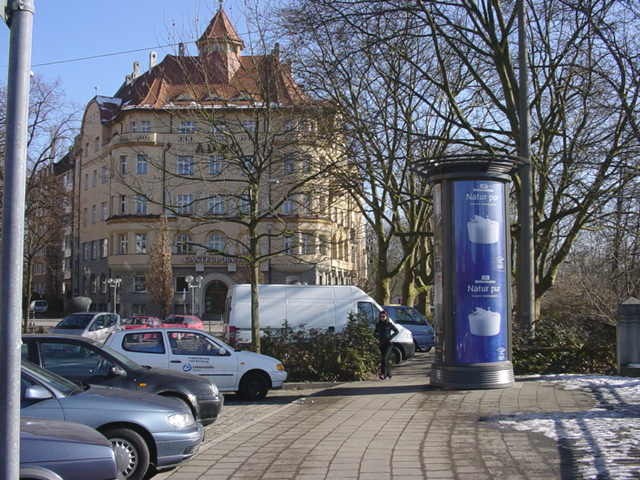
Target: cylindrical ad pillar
472,282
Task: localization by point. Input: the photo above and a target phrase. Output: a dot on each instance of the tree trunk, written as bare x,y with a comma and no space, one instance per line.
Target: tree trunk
27,295
255,307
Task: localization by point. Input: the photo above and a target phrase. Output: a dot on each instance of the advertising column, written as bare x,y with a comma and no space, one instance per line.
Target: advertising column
471,292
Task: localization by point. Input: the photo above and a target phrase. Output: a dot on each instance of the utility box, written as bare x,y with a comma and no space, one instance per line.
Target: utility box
628,338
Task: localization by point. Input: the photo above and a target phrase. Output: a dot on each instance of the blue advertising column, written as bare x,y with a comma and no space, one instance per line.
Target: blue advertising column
472,304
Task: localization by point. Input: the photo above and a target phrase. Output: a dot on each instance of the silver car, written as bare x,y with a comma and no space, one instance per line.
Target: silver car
148,432
67,450
95,325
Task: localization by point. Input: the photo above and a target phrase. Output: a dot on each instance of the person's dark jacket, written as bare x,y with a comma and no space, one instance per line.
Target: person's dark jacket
385,330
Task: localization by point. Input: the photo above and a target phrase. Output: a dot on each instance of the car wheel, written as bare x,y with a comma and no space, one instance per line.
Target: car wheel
396,355
253,386
132,452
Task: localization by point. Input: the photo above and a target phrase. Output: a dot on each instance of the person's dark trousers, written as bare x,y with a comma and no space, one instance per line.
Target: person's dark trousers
385,359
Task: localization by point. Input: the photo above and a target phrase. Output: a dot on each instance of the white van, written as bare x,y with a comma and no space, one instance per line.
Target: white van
305,307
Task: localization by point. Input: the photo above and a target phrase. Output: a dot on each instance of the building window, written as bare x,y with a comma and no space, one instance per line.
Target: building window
86,181
103,283
307,244
187,126
142,165
216,242
244,204
94,213
123,204
94,179
105,211
141,205
144,126
123,164
216,205
104,175
139,284
94,249
183,244
85,217
105,248
288,207
305,203
181,284
306,163
123,244
184,203
184,165
215,164
287,246
247,163
288,165
141,243
324,245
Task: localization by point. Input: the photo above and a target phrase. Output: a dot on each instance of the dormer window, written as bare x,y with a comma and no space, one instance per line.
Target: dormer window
184,97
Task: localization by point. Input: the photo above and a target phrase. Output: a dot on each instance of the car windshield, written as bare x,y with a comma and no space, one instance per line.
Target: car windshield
175,319
407,315
76,322
64,386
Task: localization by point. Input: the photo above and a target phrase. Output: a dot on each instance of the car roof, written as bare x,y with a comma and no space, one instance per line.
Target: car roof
61,336
143,331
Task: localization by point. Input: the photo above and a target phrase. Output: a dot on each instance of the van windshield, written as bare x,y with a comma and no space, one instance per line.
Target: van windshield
75,321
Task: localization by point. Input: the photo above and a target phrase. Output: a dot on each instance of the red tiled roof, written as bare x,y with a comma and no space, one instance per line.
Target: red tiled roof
185,79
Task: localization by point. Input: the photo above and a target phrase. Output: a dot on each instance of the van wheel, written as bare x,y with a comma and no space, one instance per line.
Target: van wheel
253,386
396,355
132,453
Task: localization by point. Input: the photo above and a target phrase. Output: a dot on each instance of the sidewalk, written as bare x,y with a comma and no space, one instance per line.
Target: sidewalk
399,428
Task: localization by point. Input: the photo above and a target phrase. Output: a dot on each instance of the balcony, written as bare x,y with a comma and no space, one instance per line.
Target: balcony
148,138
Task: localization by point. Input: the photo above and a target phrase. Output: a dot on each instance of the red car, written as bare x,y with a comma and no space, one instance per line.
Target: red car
142,321
183,321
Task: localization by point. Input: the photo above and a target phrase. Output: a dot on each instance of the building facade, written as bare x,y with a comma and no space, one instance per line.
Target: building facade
239,161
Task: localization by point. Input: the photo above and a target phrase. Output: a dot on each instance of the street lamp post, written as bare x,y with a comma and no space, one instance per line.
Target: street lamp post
194,283
114,283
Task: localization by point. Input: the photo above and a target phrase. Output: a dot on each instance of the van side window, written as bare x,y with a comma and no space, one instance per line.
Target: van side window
368,311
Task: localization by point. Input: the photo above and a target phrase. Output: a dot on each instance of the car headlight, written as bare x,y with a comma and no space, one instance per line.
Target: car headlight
280,367
181,420
214,390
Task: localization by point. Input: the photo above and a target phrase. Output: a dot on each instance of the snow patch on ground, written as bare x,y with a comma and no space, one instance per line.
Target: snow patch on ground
604,441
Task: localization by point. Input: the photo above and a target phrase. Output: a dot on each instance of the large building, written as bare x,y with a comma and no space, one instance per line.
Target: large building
242,164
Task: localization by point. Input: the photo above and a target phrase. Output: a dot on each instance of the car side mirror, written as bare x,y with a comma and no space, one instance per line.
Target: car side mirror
222,352
118,371
36,393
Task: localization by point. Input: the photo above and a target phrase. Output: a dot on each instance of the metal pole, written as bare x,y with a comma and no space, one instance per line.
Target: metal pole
20,22
526,282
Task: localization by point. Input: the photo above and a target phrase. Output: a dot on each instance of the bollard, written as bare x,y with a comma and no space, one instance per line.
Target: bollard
628,338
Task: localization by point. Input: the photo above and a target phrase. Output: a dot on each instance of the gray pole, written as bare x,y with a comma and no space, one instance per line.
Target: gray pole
20,22
526,285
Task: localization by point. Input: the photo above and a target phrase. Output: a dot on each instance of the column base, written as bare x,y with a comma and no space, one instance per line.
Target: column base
472,376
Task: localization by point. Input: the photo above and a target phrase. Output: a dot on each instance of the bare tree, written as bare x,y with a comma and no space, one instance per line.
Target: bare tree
50,131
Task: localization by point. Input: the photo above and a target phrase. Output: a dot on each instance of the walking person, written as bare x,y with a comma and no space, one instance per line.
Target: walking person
385,331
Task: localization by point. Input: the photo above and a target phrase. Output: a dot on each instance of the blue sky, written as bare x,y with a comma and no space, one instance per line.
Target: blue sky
69,29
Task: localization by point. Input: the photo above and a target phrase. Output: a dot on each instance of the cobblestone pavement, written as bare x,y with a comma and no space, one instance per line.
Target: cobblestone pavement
395,429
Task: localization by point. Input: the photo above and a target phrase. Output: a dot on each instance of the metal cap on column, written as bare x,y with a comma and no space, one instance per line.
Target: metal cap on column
472,300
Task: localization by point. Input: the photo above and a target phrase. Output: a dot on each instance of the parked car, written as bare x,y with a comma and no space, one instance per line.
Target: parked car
141,321
409,317
183,321
95,325
54,450
147,432
248,373
39,306
83,360
305,307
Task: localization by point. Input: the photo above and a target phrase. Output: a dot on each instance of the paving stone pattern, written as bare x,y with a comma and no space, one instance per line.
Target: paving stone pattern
394,429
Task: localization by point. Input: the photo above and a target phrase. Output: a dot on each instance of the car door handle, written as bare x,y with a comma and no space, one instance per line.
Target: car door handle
175,361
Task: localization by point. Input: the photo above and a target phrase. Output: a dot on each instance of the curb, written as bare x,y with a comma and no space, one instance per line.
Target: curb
309,385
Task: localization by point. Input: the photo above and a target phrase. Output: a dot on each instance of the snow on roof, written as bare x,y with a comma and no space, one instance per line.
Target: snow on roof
604,439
